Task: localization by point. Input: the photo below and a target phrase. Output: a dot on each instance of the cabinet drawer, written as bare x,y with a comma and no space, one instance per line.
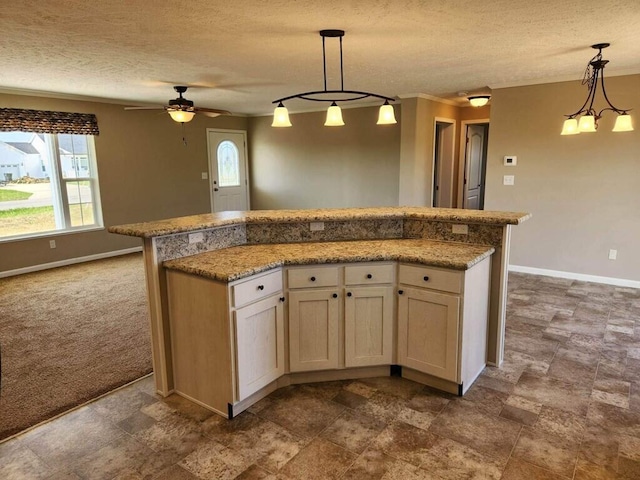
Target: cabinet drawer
256,288
312,277
433,278
366,274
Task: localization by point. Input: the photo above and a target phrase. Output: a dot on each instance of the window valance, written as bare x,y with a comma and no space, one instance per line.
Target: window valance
43,121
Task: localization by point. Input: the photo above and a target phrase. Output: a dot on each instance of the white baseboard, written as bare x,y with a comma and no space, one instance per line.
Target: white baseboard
619,282
69,261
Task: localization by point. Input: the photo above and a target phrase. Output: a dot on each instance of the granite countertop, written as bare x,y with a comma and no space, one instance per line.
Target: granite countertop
234,263
212,220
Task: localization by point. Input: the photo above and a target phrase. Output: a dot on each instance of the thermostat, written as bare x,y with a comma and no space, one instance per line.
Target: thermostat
510,160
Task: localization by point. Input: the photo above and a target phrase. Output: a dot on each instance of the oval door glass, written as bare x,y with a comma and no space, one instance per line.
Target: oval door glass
228,164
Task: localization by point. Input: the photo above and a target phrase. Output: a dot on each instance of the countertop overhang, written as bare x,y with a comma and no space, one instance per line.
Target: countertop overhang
234,263
213,220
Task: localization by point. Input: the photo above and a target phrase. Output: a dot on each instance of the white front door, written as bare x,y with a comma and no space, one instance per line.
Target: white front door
228,170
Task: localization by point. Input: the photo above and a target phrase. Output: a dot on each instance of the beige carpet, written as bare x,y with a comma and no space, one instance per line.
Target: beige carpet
69,335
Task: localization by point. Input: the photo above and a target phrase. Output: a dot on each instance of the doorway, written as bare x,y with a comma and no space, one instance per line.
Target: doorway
473,164
228,170
444,163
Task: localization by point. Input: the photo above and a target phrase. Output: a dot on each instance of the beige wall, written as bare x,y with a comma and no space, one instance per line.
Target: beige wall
582,189
313,166
416,150
145,173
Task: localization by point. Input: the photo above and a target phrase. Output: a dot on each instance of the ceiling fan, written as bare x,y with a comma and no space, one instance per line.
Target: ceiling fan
181,109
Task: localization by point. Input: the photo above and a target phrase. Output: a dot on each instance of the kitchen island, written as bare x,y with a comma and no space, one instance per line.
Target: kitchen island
172,239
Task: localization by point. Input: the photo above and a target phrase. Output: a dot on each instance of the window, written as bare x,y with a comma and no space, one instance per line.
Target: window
48,183
228,164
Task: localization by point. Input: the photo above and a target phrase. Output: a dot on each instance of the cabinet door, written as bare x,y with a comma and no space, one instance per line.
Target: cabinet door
368,324
428,332
313,329
259,345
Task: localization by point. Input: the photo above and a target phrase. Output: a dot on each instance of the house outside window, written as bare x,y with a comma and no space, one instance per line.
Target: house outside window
48,184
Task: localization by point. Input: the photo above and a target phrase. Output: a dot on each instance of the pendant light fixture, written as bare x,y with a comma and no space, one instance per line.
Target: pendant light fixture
588,122
386,115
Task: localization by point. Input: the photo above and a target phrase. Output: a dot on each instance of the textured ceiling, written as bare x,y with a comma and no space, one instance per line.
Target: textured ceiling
241,54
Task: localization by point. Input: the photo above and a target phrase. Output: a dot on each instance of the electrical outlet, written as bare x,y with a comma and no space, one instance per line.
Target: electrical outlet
460,229
52,244
613,254
316,226
196,237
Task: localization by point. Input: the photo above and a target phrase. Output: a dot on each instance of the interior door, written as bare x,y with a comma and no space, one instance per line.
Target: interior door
228,170
475,161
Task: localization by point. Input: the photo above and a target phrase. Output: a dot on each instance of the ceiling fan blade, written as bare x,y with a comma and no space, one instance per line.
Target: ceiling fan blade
212,112
145,108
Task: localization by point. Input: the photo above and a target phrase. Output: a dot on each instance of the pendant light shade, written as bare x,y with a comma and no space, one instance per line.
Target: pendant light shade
386,114
570,127
623,124
589,120
479,100
182,116
281,116
334,116
587,124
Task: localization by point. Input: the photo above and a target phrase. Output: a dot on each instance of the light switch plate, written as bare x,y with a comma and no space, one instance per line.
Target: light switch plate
460,229
205,175
196,237
316,226
510,160
509,180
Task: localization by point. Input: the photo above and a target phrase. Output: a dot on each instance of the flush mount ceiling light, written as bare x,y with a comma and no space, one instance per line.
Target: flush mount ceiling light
386,115
589,120
479,100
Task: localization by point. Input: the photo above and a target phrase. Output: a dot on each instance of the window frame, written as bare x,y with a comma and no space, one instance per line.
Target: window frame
60,199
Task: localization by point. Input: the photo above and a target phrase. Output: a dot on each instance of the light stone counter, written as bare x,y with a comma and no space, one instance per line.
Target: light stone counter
234,263
428,229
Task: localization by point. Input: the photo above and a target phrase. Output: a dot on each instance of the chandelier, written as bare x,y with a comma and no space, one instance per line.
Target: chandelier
588,122
386,114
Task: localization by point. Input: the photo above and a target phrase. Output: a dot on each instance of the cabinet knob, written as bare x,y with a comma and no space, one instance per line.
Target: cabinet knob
369,275
282,299
335,295
349,294
400,292
426,279
260,287
313,279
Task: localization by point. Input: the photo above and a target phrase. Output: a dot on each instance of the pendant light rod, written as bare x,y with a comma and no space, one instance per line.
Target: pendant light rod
353,94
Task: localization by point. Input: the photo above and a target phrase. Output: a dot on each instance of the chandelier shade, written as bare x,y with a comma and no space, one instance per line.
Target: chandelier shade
386,114
585,120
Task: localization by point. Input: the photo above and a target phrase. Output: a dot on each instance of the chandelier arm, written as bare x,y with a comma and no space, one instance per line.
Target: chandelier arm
324,65
591,96
604,93
360,95
341,69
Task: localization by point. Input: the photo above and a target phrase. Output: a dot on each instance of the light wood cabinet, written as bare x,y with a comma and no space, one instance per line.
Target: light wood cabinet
227,339
442,321
347,325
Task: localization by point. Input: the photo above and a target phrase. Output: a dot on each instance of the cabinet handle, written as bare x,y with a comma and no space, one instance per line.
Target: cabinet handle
400,292
369,275
349,294
313,279
260,287
282,299
426,279
335,295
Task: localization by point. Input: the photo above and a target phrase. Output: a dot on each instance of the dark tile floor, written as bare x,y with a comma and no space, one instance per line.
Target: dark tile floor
565,405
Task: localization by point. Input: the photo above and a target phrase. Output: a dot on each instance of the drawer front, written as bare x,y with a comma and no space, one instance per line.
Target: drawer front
433,278
366,274
308,277
256,288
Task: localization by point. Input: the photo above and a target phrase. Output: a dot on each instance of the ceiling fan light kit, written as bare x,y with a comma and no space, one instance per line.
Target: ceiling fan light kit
588,122
386,115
